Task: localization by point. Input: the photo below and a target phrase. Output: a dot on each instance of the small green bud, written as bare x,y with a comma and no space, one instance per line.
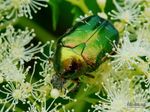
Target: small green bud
101,4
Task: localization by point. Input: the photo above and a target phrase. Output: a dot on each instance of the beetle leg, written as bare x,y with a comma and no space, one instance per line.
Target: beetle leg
50,60
58,82
76,81
62,83
89,75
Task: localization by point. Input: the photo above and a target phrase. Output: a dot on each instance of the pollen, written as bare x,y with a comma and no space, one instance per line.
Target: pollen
17,94
27,87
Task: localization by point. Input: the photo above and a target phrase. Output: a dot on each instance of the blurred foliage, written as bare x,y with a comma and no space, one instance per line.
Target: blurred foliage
53,21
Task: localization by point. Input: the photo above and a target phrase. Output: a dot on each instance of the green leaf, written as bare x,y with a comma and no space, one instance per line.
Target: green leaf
55,12
42,34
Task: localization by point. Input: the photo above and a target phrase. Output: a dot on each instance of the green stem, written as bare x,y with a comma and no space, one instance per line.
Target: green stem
43,35
91,100
18,109
33,101
5,24
82,97
83,7
81,107
81,4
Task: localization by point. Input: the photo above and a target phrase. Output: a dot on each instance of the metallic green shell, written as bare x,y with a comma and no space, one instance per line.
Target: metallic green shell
91,39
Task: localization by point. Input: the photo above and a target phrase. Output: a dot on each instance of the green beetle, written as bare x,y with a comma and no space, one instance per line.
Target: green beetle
82,49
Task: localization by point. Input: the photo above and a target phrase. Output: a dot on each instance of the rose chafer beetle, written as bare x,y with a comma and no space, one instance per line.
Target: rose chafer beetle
82,49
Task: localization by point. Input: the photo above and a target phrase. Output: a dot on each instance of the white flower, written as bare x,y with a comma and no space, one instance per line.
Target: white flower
47,71
146,14
16,42
47,65
44,106
122,97
128,13
19,8
133,1
13,94
143,33
128,53
9,70
33,88
3,49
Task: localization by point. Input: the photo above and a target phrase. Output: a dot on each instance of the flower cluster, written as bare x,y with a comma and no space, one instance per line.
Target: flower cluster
134,43
27,72
12,9
15,51
17,80
123,96
128,12
19,59
127,85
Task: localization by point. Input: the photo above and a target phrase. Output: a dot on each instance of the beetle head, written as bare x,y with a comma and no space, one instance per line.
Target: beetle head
72,68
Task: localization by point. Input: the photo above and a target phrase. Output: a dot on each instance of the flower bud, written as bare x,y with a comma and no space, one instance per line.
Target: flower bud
55,93
103,15
101,4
